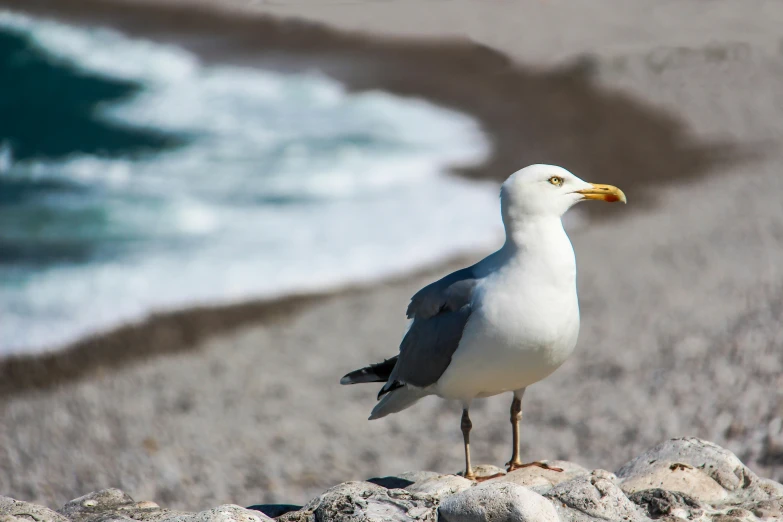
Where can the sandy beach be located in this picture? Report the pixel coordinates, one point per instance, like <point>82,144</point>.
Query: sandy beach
<point>680,291</point>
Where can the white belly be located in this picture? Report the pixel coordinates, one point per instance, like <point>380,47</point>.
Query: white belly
<point>524,321</point>
<point>497,355</point>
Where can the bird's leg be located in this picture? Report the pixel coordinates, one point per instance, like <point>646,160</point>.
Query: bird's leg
<point>516,420</point>
<point>466,425</point>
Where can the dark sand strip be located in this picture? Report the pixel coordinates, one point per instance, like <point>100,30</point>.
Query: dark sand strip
<point>160,333</point>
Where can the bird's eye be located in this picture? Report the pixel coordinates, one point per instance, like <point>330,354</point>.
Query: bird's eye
<point>556,181</point>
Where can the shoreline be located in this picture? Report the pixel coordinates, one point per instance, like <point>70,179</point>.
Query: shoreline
<point>454,73</point>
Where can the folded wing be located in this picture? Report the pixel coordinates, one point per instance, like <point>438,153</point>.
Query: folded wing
<point>440,312</point>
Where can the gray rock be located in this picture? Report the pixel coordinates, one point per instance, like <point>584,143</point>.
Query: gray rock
<point>416,476</point>
<point>303,515</point>
<point>498,502</point>
<point>566,465</point>
<point>675,476</point>
<point>11,509</point>
<point>657,503</point>
<point>594,495</point>
<point>366,502</point>
<point>224,513</point>
<point>718,463</point>
<point>542,480</point>
<point>440,485</point>
<point>114,505</point>
<point>484,471</point>
<point>94,504</point>
<point>736,515</point>
<point>772,509</point>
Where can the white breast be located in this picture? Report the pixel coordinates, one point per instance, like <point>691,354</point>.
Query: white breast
<point>524,324</point>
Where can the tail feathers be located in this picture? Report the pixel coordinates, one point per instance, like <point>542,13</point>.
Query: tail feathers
<point>397,400</point>
<point>373,373</point>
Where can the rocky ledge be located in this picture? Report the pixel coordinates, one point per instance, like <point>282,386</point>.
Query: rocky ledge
<point>681,479</point>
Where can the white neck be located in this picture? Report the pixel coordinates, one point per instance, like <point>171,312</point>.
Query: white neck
<point>542,245</point>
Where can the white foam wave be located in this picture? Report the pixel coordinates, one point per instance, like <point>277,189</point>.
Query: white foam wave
<point>290,184</point>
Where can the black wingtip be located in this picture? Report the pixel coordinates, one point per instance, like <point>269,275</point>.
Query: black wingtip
<point>379,372</point>
<point>359,376</point>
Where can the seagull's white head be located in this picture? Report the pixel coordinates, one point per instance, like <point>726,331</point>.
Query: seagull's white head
<point>548,191</point>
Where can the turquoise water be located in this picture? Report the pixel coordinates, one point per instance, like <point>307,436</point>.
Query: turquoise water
<point>133,179</point>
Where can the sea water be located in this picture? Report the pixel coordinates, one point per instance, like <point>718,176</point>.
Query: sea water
<point>136,179</point>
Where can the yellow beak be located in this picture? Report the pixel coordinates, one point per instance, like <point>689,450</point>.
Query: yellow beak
<point>603,192</point>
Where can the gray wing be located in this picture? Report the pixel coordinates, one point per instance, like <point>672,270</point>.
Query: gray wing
<point>426,349</point>
<point>447,294</point>
<point>440,312</point>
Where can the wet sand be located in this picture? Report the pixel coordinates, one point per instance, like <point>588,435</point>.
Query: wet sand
<point>680,290</point>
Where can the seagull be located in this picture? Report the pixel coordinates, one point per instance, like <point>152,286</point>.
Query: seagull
<point>504,323</point>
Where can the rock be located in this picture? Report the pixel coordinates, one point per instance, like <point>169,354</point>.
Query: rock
<point>486,470</point>
<point>12,510</point>
<point>772,509</point>
<point>416,476</point>
<point>742,514</point>
<point>440,485</point>
<point>567,467</point>
<point>498,502</point>
<point>224,513</point>
<point>733,515</point>
<point>594,495</point>
<point>365,502</point>
<point>720,517</point>
<point>658,503</point>
<point>96,503</point>
<point>675,476</point>
<point>302,515</point>
<point>542,480</point>
<point>718,463</point>
<point>114,505</point>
